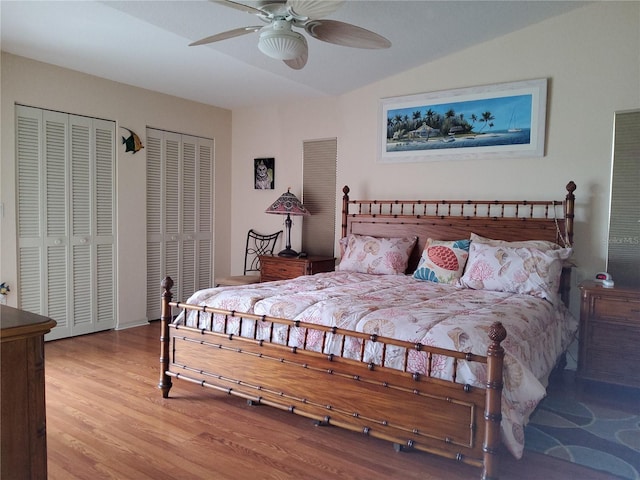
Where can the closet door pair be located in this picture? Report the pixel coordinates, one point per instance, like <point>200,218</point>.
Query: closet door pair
<point>65,170</point>
<point>179,214</point>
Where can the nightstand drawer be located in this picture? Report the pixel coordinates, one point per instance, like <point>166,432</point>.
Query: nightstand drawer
<point>611,336</point>
<point>604,307</point>
<point>284,268</point>
<point>271,270</point>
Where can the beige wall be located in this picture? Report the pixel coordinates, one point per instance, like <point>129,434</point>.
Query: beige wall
<point>591,57</point>
<point>41,85</point>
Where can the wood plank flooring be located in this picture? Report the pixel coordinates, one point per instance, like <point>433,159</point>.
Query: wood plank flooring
<point>106,419</point>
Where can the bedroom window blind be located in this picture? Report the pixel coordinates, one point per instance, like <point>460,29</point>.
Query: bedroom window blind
<point>179,214</point>
<point>623,259</point>
<point>66,219</point>
<point>319,195</point>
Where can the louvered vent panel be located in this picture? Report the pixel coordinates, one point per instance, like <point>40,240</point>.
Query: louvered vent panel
<point>204,264</point>
<point>57,283</point>
<point>80,180</point>
<point>29,280</point>
<point>154,185</point>
<point>81,284</point>
<point>188,187</point>
<point>28,144</point>
<point>319,188</point>
<point>154,278</point>
<point>104,182</point>
<point>56,188</point>
<point>105,305</point>
<point>205,191</point>
<point>188,268</point>
<point>172,183</point>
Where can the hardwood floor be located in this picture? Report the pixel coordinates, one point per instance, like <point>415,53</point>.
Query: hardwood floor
<point>106,418</point>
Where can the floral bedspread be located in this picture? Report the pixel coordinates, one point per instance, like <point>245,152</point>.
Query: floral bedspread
<point>402,307</point>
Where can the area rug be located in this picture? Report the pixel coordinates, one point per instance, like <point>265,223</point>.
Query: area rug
<point>586,434</point>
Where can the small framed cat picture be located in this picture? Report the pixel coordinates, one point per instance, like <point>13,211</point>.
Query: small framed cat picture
<point>264,171</point>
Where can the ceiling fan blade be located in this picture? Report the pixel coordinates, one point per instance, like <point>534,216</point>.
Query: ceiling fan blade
<point>224,35</point>
<point>314,8</point>
<point>301,61</point>
<point>239,6</point>
<point>345,34</point>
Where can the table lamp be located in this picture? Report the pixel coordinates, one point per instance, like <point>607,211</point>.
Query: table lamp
<point>287,204</point>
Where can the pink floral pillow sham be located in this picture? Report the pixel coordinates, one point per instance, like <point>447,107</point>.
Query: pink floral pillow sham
<point>442,261</point>
<point>539,244</point>
<point>376,255</point>
<point>523,270</point>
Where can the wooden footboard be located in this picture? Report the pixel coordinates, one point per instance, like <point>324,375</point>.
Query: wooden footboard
<point>413,410</point>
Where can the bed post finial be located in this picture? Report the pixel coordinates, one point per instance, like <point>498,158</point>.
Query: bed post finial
<point>345,210</point>
<point>493,403</point>
<point>165,319</point>
<point>569,207</point>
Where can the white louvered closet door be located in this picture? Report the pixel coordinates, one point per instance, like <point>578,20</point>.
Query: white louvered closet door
<point>179,210</point>
<point>66,219</point>
<point>92,223</point>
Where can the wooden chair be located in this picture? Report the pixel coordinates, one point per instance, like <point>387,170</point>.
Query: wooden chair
<point>257,244</point>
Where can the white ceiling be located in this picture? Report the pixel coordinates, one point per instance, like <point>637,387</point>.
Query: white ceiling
<point>145,43</point>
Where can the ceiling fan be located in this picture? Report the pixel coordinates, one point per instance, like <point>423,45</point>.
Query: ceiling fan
<point>278,39</point>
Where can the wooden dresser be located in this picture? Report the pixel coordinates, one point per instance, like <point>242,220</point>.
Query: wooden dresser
<point>23,444</point>
<point>273,267</point>
<point>609,334</point>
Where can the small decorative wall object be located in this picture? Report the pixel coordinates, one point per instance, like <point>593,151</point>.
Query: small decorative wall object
<point>264,171</point>
<point>4,290</point>
<point>494,121</point>
<point>132,143</point>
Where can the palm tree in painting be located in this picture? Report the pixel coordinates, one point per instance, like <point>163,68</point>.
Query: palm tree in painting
<point>474,119</point>
<point>417,117</point>
<point>429,116</point>
<point>486,118</point>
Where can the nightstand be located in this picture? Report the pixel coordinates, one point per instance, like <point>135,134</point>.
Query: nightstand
<point>609,334</point>
<point>282,268</point>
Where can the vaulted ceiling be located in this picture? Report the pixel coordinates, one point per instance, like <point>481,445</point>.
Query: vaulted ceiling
<point>145,43</point>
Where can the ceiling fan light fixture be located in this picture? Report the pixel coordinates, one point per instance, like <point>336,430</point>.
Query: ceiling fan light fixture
<point>281,44</point>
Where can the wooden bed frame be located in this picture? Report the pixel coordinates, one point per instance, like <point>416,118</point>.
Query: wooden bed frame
<point>445,418</point>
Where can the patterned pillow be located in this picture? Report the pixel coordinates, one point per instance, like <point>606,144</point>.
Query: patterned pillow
<point>442,261</point>
<point>377,255</point>
<point>517,270</point>
<point>539,244</point>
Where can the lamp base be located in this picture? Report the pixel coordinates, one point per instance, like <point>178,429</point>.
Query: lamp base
<point>288,252</point>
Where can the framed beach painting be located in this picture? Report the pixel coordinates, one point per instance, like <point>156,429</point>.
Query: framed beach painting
<point>493,121</point>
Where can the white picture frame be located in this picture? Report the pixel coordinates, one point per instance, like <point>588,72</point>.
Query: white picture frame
<point>494,121</point>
